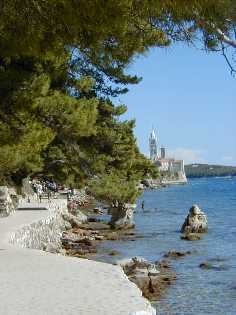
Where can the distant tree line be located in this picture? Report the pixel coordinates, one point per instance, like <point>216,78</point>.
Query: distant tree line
<point>206,170</point>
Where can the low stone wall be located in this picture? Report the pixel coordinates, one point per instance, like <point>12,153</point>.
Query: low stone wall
<point>38,234</point>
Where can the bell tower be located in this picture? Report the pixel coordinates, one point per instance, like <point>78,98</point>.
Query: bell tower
<point>153,145</point>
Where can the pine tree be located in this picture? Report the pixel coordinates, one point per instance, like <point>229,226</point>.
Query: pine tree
<point>62,62</point>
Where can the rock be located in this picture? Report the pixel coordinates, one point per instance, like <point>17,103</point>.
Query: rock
<point>122,217</point>
<point>152,270</point>
<point>112,236</point>
<point>152,279</point>
<point>196,221</point>
<point>195,210</point>
<point>140,272</point>
<point>78,242</point>
<point>72,207</point>
<point>176,254</point>
<point>99,226</point>
<point>80,247</point>
<point>205,265</point>
<point>81,252</point>
<point>131,264</point>
<point>62,252</point>
<point>114,253</point>
<point>75,221</point>
<point>142,282</point>
<point>99,237</point>
<point>68,226</point>
<point>191,237</point>
<point>53,248</point>
<point>98,210</point>
<point>154,286</point>
<point>124,262</point>
<point>81,217</point>
<point>129,233</point>
<point>92,219</point>
<point>208,265</point>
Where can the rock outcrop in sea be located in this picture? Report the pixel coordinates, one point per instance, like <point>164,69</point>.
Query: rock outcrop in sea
<point>122,217</point>
<point>195,222</point>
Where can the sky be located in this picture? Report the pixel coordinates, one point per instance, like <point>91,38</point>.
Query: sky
<point>189,98</point>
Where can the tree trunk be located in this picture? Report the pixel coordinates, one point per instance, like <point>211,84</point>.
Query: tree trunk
<point>122,217</point>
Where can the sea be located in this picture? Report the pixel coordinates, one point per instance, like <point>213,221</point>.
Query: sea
<point>196,291</point>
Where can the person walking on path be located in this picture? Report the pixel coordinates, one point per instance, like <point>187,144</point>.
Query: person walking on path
<point>39,191</point>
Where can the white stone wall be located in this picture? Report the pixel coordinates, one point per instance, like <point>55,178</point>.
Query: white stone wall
<point>48,230</point>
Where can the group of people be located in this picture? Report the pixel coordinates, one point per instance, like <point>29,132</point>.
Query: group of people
<point>40,187</point>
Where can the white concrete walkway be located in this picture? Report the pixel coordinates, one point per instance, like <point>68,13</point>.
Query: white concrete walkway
<point>37,283</point>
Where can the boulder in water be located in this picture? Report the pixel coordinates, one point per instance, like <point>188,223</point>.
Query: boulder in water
<point>122,217</point>
<point>210,266</point>
<point>196,221</point>
<point>176,254</point>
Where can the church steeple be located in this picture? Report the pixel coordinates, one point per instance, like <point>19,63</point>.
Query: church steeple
<point>153,145</point>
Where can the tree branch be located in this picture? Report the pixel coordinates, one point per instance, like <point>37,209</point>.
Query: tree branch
<point>225,38</point>
<point>232,69</point>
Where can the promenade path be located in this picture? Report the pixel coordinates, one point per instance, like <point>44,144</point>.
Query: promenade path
<point>34,282</point>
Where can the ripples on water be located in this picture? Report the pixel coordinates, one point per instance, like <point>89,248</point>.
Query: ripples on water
<point>196,291</point>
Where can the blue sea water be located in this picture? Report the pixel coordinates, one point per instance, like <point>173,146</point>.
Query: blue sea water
<point>196,291</point>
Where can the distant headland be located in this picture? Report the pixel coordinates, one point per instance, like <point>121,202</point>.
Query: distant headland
<point>208,170</point>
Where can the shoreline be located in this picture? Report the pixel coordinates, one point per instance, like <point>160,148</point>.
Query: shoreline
<point>87,240</point>
<point>64,285</point>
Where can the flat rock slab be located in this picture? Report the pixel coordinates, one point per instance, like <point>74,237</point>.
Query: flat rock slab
<point>40,283</point>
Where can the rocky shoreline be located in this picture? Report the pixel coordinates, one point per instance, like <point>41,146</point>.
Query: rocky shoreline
<point>81,229</point>
<point>152,278</point>
<point>85,231</point>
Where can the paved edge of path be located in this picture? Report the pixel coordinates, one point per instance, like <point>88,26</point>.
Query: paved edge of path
<point>34,282</point>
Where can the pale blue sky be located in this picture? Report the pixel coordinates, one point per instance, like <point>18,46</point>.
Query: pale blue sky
<point>189,97</point>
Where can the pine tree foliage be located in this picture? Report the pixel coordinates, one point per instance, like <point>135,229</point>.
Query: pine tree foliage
<point>62,62</point>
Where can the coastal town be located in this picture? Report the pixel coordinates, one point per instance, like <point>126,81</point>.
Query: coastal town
<point>172,171</point>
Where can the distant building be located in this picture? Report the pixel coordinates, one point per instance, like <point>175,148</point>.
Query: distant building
<point>170,165</point>
<point>175,168</point>
<point>153,145</point>
<point>163,153</point>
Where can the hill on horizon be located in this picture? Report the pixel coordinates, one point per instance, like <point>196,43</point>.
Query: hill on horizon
<point>209,170</point>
